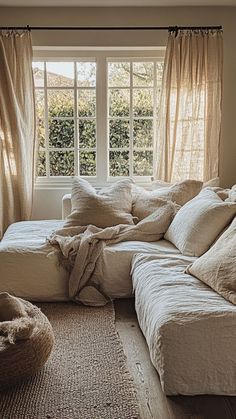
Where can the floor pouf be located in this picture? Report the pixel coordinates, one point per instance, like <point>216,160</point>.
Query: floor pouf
<point>26,340</point>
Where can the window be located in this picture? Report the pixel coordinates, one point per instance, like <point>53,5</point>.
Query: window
<point>96,117</point>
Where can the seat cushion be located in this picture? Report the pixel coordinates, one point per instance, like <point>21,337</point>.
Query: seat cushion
<point>29,267</point>
<point>190,329</point>
<point>114,266</point>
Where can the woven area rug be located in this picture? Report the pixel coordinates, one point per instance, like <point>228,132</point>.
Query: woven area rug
<point>86,376</point>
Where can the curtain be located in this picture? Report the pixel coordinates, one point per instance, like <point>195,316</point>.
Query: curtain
<point>189,124</point>
<point>17,128</point>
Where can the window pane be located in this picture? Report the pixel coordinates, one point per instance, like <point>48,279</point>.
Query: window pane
<point>119,163</point>
<point>86,103</point>
<point>61,133</point>
<point>39,99</point>
<point>61,163</point>
<point>38,72</point>
<point>60,74</point>
<point>39,103</point>
<point>119,102</point>
<point>118,133</point>
<point>143,74</point>
<point>61,103</point>
<point>41,163</point>
<point>41,133</point>
<point>143,163</point>
<point>143,102</point>
<point>143,132</point>
<point>86,74</point>
<point>87,160</point>
<point>160,68</point>
<point>87,133</point>
<point>119,74</point>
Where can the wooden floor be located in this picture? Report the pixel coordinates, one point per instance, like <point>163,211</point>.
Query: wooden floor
<point>153,403</point>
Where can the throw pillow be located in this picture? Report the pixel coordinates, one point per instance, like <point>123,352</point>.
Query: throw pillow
<point>104,208</point>
<point>199,222</point>
<point>215,182</point>
<point>180,192</point>
<point>232,194</point>
<point>217,267</point>
<point>146,202</point>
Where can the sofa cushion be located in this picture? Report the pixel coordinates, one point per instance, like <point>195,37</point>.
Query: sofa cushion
<point>189,328</point>
<point>198,223</point>
<point>217,267</point>
<point>146,202</point>
<point>104,208</point>
<point>232,194</point>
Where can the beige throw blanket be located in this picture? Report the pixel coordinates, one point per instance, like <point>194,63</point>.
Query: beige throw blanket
<point>80,247</point>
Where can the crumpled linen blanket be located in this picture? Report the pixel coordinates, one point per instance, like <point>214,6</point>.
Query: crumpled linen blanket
<point>80,247</point>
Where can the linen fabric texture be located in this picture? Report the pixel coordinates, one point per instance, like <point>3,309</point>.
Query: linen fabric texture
<point>146,202</point>
<point>199,222</point>
<point>189,120</point>
<point>17,128</point>
<point>189,328</point>
<point>104,208</point>
<point>217,267</point>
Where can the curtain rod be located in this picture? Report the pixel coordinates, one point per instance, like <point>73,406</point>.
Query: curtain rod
<point>108,28</point>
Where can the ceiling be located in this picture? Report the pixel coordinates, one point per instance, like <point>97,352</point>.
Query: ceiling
<point>114,3</point>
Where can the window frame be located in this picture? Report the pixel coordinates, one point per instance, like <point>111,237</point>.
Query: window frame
<point>101,55</point>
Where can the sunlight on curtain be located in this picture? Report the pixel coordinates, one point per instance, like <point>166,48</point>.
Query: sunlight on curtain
<point>17,128</point>
<point>190,108</point>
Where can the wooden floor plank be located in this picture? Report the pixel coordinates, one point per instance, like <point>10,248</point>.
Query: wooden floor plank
<point>153,403</point>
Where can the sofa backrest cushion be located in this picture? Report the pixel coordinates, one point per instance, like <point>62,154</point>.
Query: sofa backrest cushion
<point>146,202</point>
<point>199,222</point>
<point>104,208</point>
<point>217,267</point>
<point>232,194</point>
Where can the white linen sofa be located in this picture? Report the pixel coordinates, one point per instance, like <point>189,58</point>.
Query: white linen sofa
<point>29,266</point>
<point>190,330</point>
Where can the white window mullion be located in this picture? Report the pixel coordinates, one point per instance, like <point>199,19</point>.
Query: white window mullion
<point>101,117</point>
<point>154,107</point>
<point>76,121</point>
<point>46,122</point>
<point>131,168</point>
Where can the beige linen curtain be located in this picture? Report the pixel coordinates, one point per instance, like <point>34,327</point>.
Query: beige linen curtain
<point>189,124</point>
<point>17,128</point>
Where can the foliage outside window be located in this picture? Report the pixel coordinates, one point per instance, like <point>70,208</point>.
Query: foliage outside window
<point>68,122</point>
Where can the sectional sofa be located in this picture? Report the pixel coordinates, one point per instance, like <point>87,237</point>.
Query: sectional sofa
<point>189,326</point>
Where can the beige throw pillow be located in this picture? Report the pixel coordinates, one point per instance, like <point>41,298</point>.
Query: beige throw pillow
<point>215,182</point>
<point>232,194</point>
<point>104,208</point>
<point>199,222</point>
<point>146,202</point>
<point>217,267</point>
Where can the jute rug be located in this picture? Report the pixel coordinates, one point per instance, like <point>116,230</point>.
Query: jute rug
<point>86,376</point>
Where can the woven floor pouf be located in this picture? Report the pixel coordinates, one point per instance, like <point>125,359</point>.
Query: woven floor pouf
<point>26,340</point>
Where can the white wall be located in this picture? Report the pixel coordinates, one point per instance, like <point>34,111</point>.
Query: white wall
<point>47,203</point>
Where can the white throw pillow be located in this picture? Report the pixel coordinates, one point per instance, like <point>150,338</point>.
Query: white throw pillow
<point>217,267</point>
<point>199,222</point>
<point>146,202</point>
<point>104,208</point>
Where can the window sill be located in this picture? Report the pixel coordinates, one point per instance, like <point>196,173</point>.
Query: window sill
<point>66,183</point>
